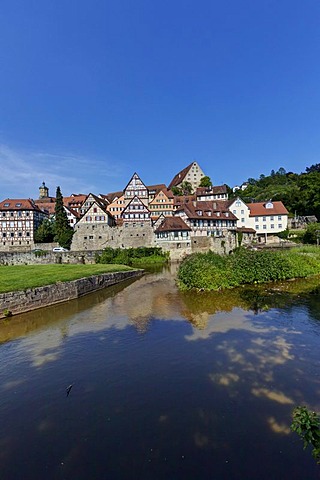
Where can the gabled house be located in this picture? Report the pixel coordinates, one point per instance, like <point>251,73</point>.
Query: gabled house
<point>136,188</point>
<point>19,219</point>
<point>268,218</point>
<point>136,213</point>
<point>173,229</point>
<point>162,204</point>
<point>117,206</point>
<point>94,229</point>
<point>90,200</point>
<point>265,218</point>
<point>192,174</point>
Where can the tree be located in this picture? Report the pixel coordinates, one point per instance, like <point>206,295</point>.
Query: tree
<point>313,168</point>
<point>45,232</point>
<point>176,191</point>
<point>63,231</point>
<point>186,188</point>
<point>205,181</point>
<point>281,171</point>
<point>312,234</point>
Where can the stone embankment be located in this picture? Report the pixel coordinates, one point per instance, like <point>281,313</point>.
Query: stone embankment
<point>33,298</point>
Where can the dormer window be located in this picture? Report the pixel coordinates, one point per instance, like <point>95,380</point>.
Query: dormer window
<point>227,214</point>
<point>7,205</point>
<point>269,204</point>
<point>218,214</point>
<point>18,204</point>
<point>199,212</point>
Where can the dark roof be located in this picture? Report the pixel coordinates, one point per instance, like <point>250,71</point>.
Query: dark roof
<point>246,230</point>
<point>179,177</point>
<point>209,209</point>
<point>218,189</point>
<point>171,224</point>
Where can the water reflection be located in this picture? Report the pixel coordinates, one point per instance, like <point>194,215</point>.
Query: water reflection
<point>166,384</point>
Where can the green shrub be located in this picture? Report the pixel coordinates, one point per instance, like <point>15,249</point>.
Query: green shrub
<point>132,256</point>
<point>210,271</point>
<point>307,425</point>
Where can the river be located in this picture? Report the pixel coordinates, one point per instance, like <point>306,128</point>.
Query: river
<point>165,385</point>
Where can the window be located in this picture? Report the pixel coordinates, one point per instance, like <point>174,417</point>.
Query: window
<point>18,204</point>
<point>271,219</point>
<point>28,234</point>
<point>4,234</point>
<point>242,220</point>
<point>279,217</point>
<point>264,219</point>
<point>264,227</point>
<point>12,234</point>
<point>272,225</point>
<point>242,212</point>
<point>257,227</point>
<point>20,234</point>
<point>257,219</point>
<point>280,225</point>
<point>6,204</point>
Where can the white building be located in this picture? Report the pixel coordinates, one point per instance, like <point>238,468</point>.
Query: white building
<point>266,218</point>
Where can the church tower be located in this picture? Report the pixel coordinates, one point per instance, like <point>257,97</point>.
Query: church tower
<point>43,191</point>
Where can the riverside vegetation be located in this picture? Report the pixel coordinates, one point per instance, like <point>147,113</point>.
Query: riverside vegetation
<point>210,271</point>
<point>138,257</point>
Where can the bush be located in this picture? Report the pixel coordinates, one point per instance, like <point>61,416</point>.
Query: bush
<point>211,272</point>
<point>132,256</point>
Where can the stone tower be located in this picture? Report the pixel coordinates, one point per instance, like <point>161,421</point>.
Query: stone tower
<point>43,191</point>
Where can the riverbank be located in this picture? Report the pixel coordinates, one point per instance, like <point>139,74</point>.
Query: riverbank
<point>210,271</point>
<point>20,301</point>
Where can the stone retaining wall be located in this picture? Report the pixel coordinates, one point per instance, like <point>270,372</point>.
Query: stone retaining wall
<point>32,298</point>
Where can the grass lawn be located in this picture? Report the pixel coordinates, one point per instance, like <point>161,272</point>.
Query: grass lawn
<point>20,277</point>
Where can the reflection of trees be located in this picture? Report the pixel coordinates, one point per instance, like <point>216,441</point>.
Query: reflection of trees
<point>199,305</point>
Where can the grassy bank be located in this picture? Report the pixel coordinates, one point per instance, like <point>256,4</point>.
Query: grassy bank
<point>21,277</point>
<point>209,271</point>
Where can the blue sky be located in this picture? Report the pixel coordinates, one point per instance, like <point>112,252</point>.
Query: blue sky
<point>92,91</point>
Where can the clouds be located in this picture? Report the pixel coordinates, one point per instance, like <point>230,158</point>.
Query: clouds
<point>23,171</point>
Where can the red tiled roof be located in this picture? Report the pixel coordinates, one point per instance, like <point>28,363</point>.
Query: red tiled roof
<point>19,204</point>
<point>259,209</point>
<point>171,224</point>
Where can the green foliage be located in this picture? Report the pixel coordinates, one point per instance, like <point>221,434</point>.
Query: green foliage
<point>209,271</point>
<point>62,230</point>
<point>7,313</point>
<point>300,193</point>
<point>45,232</point>
<point>307,425</point>
<point>184,189</point>
<point>312,234</point>
<point>205,181</point>
<point>284,234</point>
<point>132,256</point>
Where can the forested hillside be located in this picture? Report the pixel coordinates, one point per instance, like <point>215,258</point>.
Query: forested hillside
<point>300,193</point>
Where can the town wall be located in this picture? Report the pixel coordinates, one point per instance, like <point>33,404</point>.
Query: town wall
<point>33,298</point>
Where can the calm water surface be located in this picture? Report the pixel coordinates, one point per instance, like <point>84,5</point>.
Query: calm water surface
<point>166,385</point>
